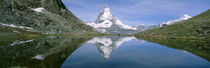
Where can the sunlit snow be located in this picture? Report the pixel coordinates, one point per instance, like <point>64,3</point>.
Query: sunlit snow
<point>38,57</point>
<point>21,42</point>
<point>183,18</point>
<point>21,27</point>
<point>107,20</point>
<point>40,9</point>
<point>105,24</point>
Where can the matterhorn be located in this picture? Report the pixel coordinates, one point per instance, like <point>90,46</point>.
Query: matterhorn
<point>107,23</point>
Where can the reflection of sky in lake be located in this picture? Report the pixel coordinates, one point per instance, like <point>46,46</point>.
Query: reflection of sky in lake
<point>134,54</point>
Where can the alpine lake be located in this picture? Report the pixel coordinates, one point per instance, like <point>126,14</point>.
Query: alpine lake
<point>103,52</point>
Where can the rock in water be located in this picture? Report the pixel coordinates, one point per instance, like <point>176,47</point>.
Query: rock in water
<point>46,16</point>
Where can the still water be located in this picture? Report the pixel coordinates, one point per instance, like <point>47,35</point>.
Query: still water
<point>103,52</point>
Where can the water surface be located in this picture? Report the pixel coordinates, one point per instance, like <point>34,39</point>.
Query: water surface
<point>103,52</point>
<point>130,52</point>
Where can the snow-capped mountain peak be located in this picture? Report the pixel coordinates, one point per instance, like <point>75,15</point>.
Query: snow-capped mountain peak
<point>104,15</point>
<point>106,22</point>
<point>106,7</point>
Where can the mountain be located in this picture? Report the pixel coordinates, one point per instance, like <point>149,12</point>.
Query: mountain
<point>183,18</point>
<point>107,23</point>
<point>106,45</point>
<point>45,16</point>
<point>143,27</point>
<point>196,27</point>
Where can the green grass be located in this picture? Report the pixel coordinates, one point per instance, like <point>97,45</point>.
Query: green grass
<point>197,27</point>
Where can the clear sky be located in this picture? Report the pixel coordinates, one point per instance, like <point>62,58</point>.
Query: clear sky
<point>136,12</point>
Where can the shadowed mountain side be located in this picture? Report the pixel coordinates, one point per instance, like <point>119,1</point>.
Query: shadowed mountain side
<point>48,52</point>
<point>199,48</point>
<point>45,16</point>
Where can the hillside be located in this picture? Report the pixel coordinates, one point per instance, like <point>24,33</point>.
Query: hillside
<point>45,16</point>
<point>196,27</point>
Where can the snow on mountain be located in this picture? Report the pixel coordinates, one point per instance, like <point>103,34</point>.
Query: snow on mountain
<point>40,9</point>
<point>106,20</point>
<point>20,27</point>
<point>183,18</point>
<point>143,27</point>
<point>106,45</point>
<point>38,57</point>
<point>44,16</point>
<point>21,42</point>
<point>147,27</point>
<point>105,24</point>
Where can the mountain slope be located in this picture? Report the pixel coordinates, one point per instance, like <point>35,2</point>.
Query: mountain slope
<point>46,16</point>
<point>107,23</point>
<point>148,27</point>
<point>183,18</point>
<point>143,27</point>
<point>196,27</point>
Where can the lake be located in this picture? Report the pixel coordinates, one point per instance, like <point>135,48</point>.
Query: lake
<point>103,52</point>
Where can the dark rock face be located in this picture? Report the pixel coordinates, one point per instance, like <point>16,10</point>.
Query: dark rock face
<point>55,19</point>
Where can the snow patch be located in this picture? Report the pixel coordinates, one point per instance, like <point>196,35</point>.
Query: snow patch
<point>118,22</point>
<point>105,24</point>
<point>38,57</point>
<point>142,27</point>
<point>16,31</point>
<point>40,9</point>
<point>183,18</point>
<point>21,42</point>
<point>21,27</point>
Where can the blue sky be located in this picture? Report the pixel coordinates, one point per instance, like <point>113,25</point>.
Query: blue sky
<point>136,12</point>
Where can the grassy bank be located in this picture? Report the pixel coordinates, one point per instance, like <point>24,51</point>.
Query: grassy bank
<point>196,28</point>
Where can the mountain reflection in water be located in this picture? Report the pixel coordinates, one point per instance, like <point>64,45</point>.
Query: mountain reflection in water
<point>130,52</point>
<point>46,52</point>
<point>118,52</point>
<point>106,45</point>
